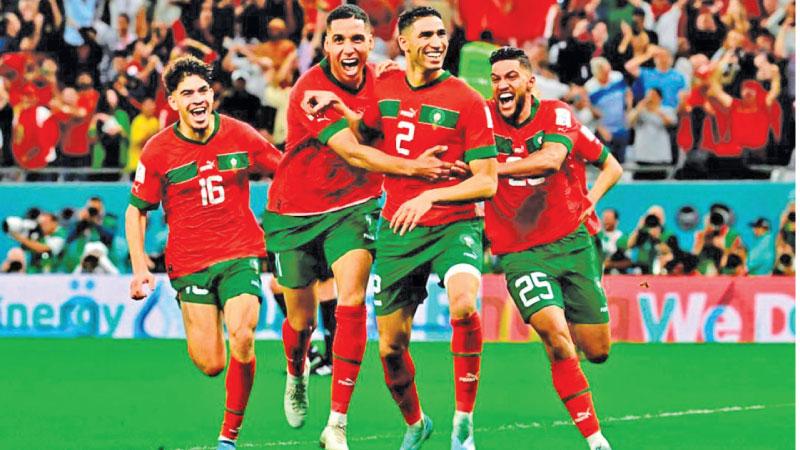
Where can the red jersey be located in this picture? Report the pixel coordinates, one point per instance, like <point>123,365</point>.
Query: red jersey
<point>75,132</point>
<point>587,149</point>
<point>527,212</point>
<point>205,191</point>
<point>312,178</point>
<point>444,112</point>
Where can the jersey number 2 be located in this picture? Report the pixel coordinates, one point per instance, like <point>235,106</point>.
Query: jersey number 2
<point>406,136</point>
<point>211,190</point>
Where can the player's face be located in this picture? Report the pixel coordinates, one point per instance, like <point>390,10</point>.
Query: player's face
<point>193,99</point>
<point>512,83</point>
<point>425,43</point>
<point>347,46</point>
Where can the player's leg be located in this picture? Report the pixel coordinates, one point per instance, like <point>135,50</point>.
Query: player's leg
<point>204,339</point>
<point>399,372</point>
<point>348,248</point>
<point>586,304</point>
<point>202,321</point>
<point>325,291</point>
<point>297,270</point>
<point>459,265</point>
<point>238,285</point>
<point>241,318</point>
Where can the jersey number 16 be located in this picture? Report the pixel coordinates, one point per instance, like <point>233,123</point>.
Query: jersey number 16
<point>211,190</point>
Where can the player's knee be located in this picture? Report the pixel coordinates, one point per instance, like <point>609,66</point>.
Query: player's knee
<point>242,339</point>
<point>211,367</point>
<point>352,298</point>
<point>597,355</point>
<point>302,321</point>
<point>394,347</point>
<point>462,305</point>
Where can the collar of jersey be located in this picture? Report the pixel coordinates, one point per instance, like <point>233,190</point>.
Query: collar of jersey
<point>534,107</point>
<point>444,75</point>
<point>192,141</point>
<point>325,65</point>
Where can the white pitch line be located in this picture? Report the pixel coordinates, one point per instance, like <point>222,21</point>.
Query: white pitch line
<point>529,425</point>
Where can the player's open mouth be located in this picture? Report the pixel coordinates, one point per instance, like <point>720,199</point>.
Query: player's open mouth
<point>350,65</point>
<point>505,98</point>
<point>198,113</point>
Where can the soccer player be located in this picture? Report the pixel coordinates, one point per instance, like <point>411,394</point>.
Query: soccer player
<point>431,226</point>
<point>322,212</point>
<point>535,226</point>
<point>198,170</point>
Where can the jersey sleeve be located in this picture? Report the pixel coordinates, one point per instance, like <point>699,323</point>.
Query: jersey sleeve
<point>590,148</point>
<point>264,156</point>
<point>147,183</point>
<point>322,125</point>
<point>478,131</point>
<point>562,126</point>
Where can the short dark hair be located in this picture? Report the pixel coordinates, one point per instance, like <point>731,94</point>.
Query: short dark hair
<point>347,11</point>
<point>409,16</point>
<point>183,67</point>
<point>504,53</point>
<point>613,211</point>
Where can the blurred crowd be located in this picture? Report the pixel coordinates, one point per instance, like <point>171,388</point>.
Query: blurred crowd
<point>717,246</point>
<point>702,86</point>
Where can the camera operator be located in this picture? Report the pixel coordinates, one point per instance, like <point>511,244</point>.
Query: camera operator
<point>716,242</point>
<point>92,225</point>
<point>649,240</point>
<point>784,242</point>
<point>41,237</point>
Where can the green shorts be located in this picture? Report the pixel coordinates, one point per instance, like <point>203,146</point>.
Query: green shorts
<point>305,247</point>
<point>220,282</point>
<point>564,273</point>
<point>404,263</point>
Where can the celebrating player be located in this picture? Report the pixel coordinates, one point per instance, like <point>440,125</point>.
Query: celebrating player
<point>535,226</point>
<point>198,169</point>
<point>431,226</point>
<point>322,214</point>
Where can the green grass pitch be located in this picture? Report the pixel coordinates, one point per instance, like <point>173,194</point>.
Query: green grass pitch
<point>107,394</point>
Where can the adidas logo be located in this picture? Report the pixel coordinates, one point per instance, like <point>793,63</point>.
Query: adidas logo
<point>583,415</point>
<point>347,382</point>
<point>469,378</point>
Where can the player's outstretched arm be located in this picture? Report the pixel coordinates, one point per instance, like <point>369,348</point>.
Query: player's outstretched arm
<point>545,162</point>
<point>427,165</point>
<point>480,186</point>
<point>135,226</point>
<point>610,172</point>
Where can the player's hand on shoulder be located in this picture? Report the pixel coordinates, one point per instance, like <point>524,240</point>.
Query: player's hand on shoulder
<point>409,214</point>
<point>385,67</point>
<point>138,281</point>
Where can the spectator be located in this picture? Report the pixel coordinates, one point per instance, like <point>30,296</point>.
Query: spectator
<point>78,14</point>
<point>668,80</point>
<point>574,53</point>
<point>588,115</point>
<point>239,103</point>
<point>717,241</point>
<point>667,22</point>
<point>705,29</point>
<point>75,110</point>
<point>614,244</point>
<point>6,119</point>
<point>94,260</point>
<point>144,126</point>
<point>785,241</point>
<point>43,244</point>
<point>649,240</point>
<point>762,252</point>
<point>609,93</point>
<point>92,225</point>
<point>276,47</point>
<point>650,120</point>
